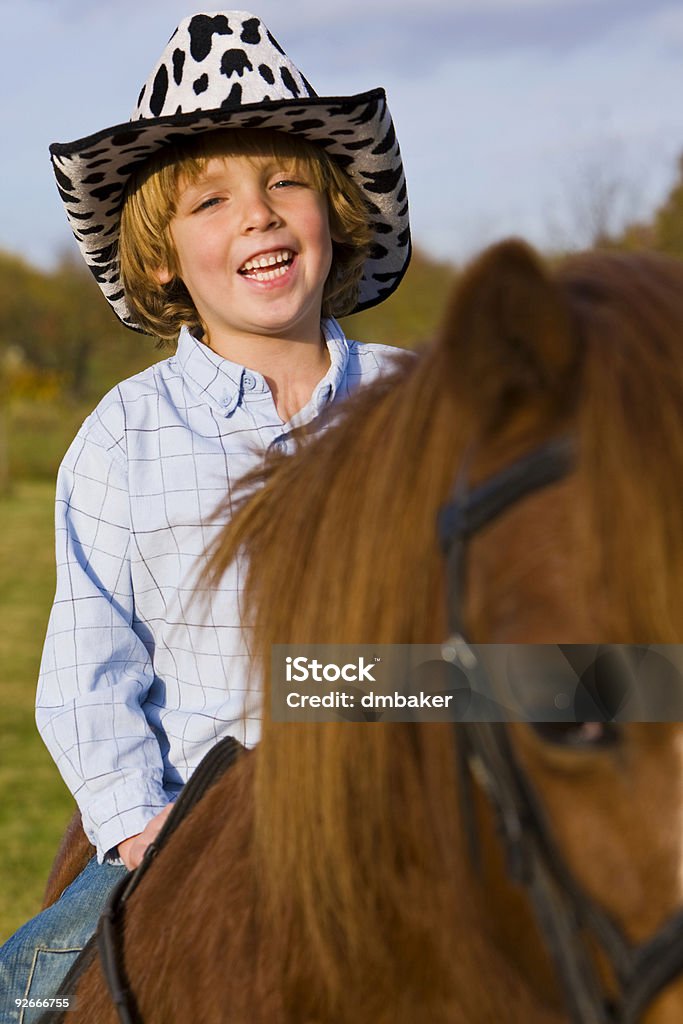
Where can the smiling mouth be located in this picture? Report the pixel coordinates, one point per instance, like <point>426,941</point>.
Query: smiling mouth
<point>268,267</point>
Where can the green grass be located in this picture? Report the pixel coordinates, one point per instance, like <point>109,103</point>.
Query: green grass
<point>39,434</point>
<point>34,802</point>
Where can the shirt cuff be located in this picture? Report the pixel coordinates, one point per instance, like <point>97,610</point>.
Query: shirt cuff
<point>123,813</point>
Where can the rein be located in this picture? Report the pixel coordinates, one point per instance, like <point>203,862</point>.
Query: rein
<point>110,927</point>
<point>566,914</point>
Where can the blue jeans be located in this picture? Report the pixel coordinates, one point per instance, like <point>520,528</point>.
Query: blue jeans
<point>36,959</point>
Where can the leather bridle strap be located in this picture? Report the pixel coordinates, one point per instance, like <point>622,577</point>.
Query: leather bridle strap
<point>469,511</point>
<point>534,864</point>
<point>566,914</point>
<point>110,928</point>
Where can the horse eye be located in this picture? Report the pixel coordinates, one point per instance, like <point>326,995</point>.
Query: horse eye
<point>578,735</point>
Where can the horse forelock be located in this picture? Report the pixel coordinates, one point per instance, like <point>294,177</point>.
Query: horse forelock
<point>628,308</point>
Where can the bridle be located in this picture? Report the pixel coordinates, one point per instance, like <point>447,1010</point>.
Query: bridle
<point>567,916</point>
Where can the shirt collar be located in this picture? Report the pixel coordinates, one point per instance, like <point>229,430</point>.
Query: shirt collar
<point>214,379</point>
<point>224,384</point>
<point>326,389</point>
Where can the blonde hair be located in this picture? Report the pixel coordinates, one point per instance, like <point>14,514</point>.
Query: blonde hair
<point>149,205</point>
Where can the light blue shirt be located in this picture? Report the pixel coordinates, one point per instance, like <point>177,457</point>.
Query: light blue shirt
<point>140,677</point>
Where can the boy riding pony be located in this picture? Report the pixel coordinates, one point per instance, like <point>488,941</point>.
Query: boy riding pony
<point>239,213</point>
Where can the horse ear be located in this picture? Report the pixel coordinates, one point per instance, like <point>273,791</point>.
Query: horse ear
<point>509,332</point>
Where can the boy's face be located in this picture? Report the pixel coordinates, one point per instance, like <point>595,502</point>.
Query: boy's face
<point>253,249</point>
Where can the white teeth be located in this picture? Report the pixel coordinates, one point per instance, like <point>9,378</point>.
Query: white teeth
<point>270,275</point>
<point>271,260</point>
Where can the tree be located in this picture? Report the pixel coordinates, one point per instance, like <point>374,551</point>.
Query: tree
<point>668,221</point>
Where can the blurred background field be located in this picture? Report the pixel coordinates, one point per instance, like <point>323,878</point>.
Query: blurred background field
<point>60,351</point>
<point>35,804</point>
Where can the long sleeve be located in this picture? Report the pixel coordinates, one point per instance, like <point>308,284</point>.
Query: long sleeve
<point>139,678</point>
<point>95,670</point>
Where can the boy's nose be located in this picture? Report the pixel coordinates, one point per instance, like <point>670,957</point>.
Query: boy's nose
<point>258,214</point>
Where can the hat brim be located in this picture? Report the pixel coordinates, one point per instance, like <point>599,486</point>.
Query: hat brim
<point>357,131</point>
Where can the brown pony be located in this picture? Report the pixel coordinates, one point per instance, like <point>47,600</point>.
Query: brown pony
<point>327,878</point>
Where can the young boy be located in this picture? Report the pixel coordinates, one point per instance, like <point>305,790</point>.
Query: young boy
<point>236,209</point>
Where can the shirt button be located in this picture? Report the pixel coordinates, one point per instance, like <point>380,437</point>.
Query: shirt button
<point>249,382</point>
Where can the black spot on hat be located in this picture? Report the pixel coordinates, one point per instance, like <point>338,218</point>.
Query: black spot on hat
<point>383,181</point>
<point>387,142</point>
<point>403,237</point>
<point>125,170</point>
<point>81,216</point>
<point>358,144</point>
<point>364,115</point>
<point>309,88</point>
<point>125,138</point>
<point>288,81</point>
<point>62,178</point>
<point>202,28</point>
<point>235,62</point>
<point>201,84</point>
<point>94,179</point>
<point>343,159</point>
<point>66,198</point>
<point>306,123</point>
<point>178,65</point>
<point>158,97</point>
<point>234,99</point>
<point>250,32</point>
<point>252,122</point>
<point>266,74</point>
<point>107,191</point>
<point>142,93</point>
<point>103,255</point>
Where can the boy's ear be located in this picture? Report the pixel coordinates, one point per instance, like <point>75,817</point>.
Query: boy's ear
<point>163,275</point>
<point>509,332</point>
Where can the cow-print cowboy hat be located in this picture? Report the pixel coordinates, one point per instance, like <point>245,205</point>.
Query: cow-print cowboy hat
<point>225,70</point>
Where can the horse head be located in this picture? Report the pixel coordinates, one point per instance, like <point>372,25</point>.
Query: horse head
<point>589,352</point>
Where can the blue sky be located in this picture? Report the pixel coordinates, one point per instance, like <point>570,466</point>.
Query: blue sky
<point>532,117</point>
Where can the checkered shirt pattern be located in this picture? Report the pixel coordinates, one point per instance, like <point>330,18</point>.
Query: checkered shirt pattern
<point>139,676</point>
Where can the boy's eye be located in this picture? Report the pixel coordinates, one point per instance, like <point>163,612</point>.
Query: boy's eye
<point>206,204</point>
<point>287,183</point>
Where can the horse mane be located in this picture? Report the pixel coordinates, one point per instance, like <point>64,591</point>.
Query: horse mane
<point>341,546</point>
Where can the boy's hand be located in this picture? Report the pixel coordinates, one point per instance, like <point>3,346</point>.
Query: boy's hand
<point>131,851</point>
